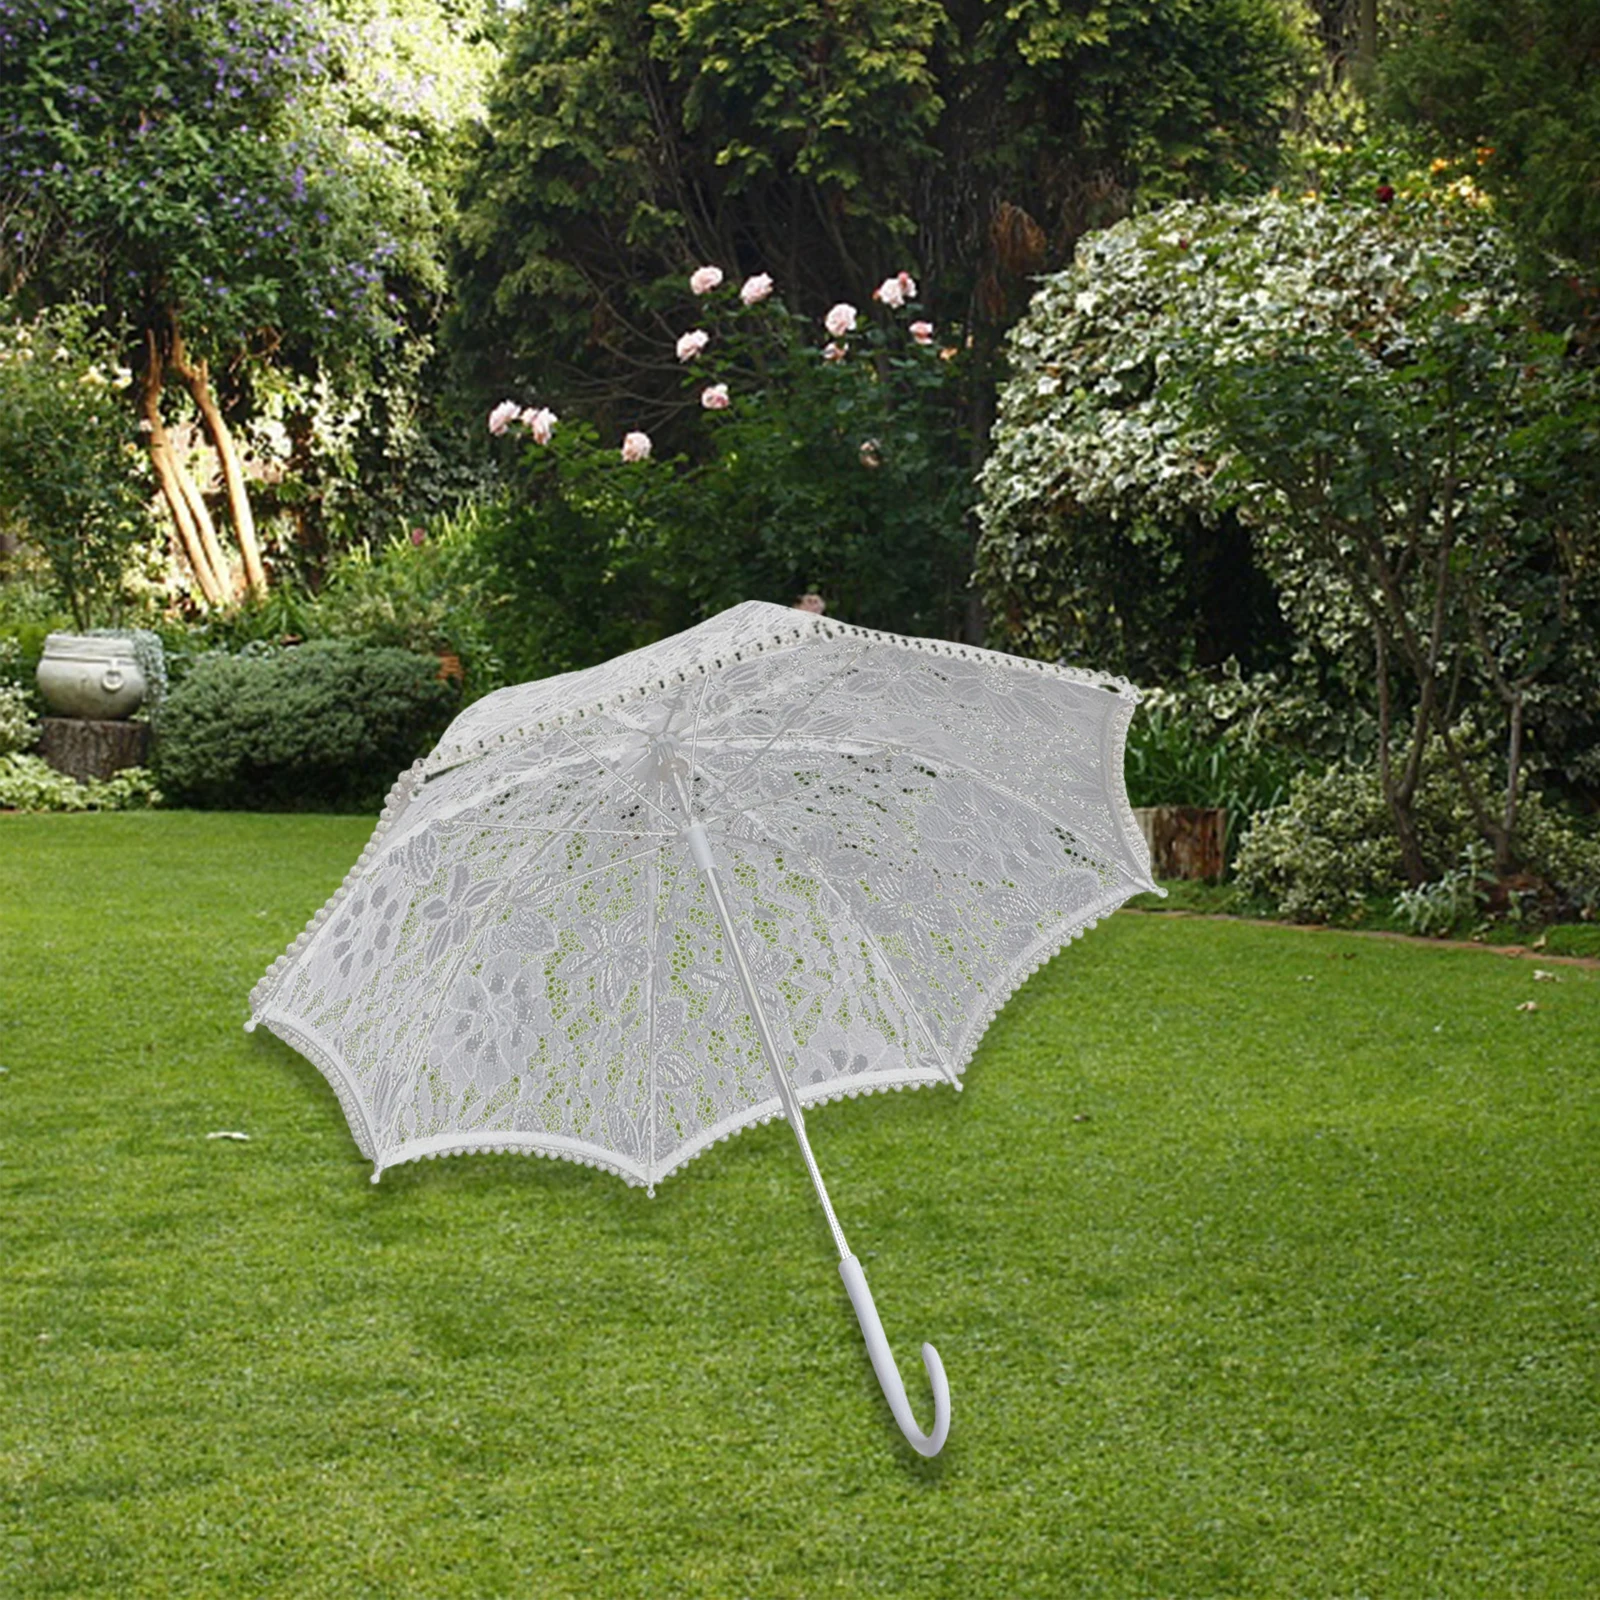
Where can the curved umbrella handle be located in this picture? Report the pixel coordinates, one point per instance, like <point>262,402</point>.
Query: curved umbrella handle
<point>894,1391</point>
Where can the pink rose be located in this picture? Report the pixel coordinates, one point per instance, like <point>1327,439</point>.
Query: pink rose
<point>890,293</point>
<point>813,603</point>
<point>756,289</point>
<point>419,536</point>
<point>922,332</point>
<point>834,352</point>
<point>704,279</point>
<point>840,320</point>
<point>870,456</point>
<point>541,423</point>
<point>503,416</point>
<point>636,446</point>
<point>715,398</point>
<point>908,285</point>
<point>691,344</point>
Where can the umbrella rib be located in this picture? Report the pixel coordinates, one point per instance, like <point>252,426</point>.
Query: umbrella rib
<point>867,934</point>
<point>617,777</point>
<point>539,897</point>
<point>807,704</point>
<point>652,1088</point>
<point>586,833</point>
<point>983,779</point>
<point>694,737</point>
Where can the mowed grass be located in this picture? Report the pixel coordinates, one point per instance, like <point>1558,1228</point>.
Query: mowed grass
<point>1262,1262</point>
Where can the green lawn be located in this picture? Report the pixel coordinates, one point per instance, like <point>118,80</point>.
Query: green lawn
<point>1262,1263</point>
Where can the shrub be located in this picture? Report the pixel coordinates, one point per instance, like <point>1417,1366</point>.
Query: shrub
<point>1224,739</point>
<point>423,590</point>
<point>72,474</point>
<point>321,726</point>
<point>28,783</point>
<point>1459,897</point>
<point>1331,847</point>
<point>18,730</point>
<point>1320,855</point>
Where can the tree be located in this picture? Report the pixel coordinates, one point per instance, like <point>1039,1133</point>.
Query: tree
<point>1518,80</point>
<point>1367,388</point>
<point>830,146</point>
<point>234,184</point>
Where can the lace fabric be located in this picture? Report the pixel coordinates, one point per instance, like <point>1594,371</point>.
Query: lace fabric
<point>526,957</point>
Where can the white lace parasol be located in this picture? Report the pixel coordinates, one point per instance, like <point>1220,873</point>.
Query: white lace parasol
<point>619,914</point>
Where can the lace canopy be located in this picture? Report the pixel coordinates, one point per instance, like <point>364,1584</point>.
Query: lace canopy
<point>527,957</point>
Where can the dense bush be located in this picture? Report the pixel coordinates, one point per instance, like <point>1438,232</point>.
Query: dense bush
<point>422,590</point>
<point>73,476</point>
<point>1332,846</point>
<point>29,783</point>
<point>821,455</point>
<point>322,726</point>
<point>1365,387</point>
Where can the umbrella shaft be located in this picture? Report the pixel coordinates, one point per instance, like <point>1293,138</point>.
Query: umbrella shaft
<point>700,849</point>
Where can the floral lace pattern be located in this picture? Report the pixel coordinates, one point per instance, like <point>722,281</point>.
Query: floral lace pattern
<point>526,956</point>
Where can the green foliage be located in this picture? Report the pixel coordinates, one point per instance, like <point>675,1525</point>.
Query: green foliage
<point>1226,741</point>
<point>248,162</point>
<point>844,477</point>
<point>582,557</point>
<point>422,590</point>
<point>1332,848</point>
<point>18,730</point>
<point>73,480</point>
<point>1509,86</point>
<point>272,182</point>
<point>1453,903</point>
<point>29,783</point>
<point>1366,388</point>
<point>629,141</point>
<point>327,726</point>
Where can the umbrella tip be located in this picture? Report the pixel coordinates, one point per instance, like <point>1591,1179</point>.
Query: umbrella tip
<point>377,1172</point>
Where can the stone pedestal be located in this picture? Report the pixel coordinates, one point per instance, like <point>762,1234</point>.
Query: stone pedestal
<point>1185,841</point>
<point>85,749</point>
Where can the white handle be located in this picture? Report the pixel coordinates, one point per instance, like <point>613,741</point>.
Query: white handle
<point>894,1391</point>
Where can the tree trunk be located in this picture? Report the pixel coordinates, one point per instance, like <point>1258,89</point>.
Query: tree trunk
<point>1366,46</point>
<point>175,489</point>
<point>196,377</point>
<point>86,748</point>
<point>1398,797</point>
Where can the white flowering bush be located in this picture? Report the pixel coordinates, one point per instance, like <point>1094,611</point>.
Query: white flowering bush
<point>18,730</point>
<point>1330,849</point>
<point>29,783</point>
<point>1365,388</point>
<point>1103,461</point>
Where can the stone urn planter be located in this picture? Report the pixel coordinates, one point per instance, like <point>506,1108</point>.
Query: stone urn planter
<point>93,685</point>
<point>81,675</point>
